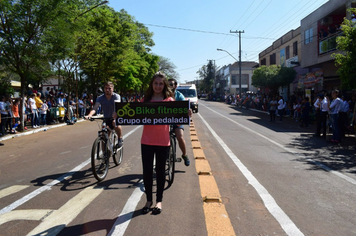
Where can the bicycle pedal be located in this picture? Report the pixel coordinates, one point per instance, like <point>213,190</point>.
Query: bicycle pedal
<point>178,159</point>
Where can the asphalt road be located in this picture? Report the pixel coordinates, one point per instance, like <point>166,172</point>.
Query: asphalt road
<point>271,178</point>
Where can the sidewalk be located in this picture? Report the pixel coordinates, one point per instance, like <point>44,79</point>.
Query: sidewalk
<point>31,130</point>
<point>349,140</point>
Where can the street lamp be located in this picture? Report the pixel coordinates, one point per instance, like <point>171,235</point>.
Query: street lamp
<point>219,49</point>
<point>102,3</point>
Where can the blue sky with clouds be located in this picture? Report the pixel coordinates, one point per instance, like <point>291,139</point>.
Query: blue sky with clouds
<point>189,32</point>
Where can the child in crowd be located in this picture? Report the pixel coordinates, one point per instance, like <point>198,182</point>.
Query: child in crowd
<point>68,120</point>
<point>297,109</point>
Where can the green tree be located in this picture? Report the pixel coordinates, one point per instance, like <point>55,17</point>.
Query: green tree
<point>113,46</point>
<point>207,75</point>
<point>346,60</point>
<point>273,77</point>
<point>22,27</point>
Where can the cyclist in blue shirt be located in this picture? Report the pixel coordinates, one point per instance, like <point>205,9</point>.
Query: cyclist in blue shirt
<point>178,129</point>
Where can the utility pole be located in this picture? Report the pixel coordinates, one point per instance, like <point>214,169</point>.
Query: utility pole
<point>239,32</point>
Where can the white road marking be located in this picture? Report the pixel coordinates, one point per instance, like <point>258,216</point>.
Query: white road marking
<point>286,223</point>
<point>64,152</point>
<point>330,170</point>
<point>123,220</point>
<point>42,189</point>
<point>60,218</point>
<point>56,221</point>
<point>24,215</point>
<point>48,186</point>
<point>12,189</point>
<point>84,147</point>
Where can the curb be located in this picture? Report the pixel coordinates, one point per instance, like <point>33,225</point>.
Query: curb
<point>9,136</point>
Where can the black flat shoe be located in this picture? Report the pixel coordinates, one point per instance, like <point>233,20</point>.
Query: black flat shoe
<point>156,211</point>
<point>145,210</point>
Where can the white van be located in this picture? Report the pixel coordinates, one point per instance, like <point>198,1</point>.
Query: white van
<point>190,92</point>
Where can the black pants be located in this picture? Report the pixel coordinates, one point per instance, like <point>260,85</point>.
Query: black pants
<point>343,122</point>
<point>148,152</point>
<point>318,122</point>
<point>324,121</point>
<point>280,113</point>
<point>272,114</point>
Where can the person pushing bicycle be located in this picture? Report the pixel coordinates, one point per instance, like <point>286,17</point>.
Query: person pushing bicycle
<point>107,103</point>
<point>178,129</point>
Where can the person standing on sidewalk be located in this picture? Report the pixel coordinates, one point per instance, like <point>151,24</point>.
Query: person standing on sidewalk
<point>334,115</point>
<point>324,113</point>
<point>272,109</point>
<point>38,109</point>
<point>178,129</point>
<point>33,109</point>
<point>3,115</point>
<point>343,116</point>
<point>317,107</point>
<point>305,112</point>
<point>280,108</point>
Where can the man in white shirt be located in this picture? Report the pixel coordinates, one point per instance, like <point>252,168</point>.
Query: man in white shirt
<point>317,107</point>
<point>324,107</point>
<point>334,114</point>
<point>280,108</point>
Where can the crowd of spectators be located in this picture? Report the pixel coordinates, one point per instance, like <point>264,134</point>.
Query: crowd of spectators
<point>40,108</point>
<point>319,109</point>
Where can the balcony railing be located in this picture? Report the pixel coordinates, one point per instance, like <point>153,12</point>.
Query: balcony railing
<point>328,44</point>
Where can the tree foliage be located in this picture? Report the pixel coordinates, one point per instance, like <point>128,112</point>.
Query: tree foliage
<point>346,60</point>
<point>39,38</point>
<point>273,76</point>
<point>167,67</point>
<point>22,44</point>
<point>207,75</point>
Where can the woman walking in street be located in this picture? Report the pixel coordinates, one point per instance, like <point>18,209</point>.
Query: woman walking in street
<point>155,141</point>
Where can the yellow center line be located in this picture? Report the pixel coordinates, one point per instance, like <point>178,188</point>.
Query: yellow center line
<point>216,218</point>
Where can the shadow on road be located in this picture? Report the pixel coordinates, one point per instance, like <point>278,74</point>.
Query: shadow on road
<point>340,157</point>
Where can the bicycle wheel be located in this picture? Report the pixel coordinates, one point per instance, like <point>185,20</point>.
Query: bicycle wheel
<point>118,153</point>
<point>170,164</point>
<point>99,159</point>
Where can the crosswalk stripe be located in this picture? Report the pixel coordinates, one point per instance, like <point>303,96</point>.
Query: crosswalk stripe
<point>56,221</point>
<point>123,220</point>
<point>12,189</point>
<point>30,214</point>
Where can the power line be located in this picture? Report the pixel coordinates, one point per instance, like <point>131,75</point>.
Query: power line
<point>205,32</point>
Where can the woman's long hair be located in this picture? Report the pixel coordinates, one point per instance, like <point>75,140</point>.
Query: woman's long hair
<point>167,92</point>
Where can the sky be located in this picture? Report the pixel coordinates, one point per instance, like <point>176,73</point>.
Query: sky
<point>188,32</point>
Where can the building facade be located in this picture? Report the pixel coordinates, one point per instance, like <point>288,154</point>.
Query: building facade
<point>285,51</point>
<point>309,48</point>
<point>319,31</point>
<point>228,78</point>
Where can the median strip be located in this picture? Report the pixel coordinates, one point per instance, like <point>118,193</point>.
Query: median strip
<point>216,218</point>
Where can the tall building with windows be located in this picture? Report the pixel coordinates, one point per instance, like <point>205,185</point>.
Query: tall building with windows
<point>285,51</point>
<point>319,31</point>
<point>228,78</point>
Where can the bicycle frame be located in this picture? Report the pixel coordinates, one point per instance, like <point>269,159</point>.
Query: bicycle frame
<point>103,148</point>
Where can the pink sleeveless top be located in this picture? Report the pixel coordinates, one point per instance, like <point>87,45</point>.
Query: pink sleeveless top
<point>156,135</point>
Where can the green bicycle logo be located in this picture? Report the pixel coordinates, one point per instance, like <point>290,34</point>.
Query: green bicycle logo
<point>126,110</point>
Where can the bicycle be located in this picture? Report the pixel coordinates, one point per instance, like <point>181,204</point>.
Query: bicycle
<point>103,148</point>
<point>172,159</point>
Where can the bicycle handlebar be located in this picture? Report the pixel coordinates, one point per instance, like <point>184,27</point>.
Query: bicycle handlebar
<point>100,118</point>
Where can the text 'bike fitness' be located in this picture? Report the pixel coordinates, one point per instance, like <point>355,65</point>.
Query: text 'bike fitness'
<point>152,113</point>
